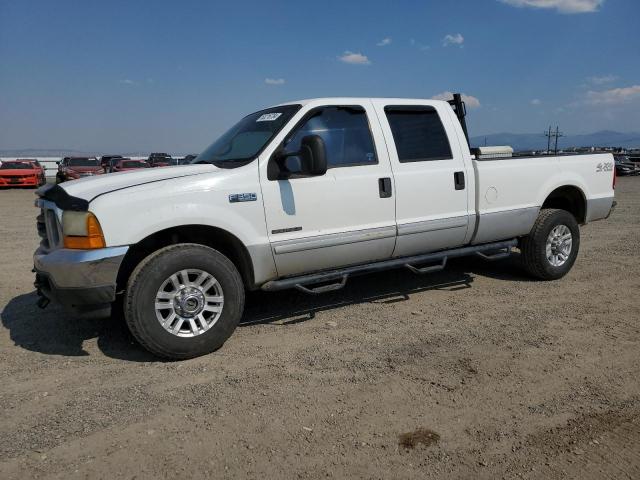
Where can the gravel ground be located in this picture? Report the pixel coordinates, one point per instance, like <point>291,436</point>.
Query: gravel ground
<point>474,372</point>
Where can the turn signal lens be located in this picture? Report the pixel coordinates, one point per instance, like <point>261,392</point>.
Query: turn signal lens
<point>91,237</point>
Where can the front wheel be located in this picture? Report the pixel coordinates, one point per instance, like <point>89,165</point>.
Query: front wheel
<point>550,250</point>
<point>184,301</point>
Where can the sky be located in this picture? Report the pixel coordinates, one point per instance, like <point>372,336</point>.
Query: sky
<point>134,76</point>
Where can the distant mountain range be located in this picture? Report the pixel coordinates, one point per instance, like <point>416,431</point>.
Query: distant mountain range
<point>519,142</point>
<point>537,141</point>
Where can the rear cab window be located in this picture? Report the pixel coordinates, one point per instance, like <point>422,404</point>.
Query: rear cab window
<point>418,133</point>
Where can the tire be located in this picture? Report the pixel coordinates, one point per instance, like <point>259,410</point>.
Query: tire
<point>161,274</point>
<point>556,262</point>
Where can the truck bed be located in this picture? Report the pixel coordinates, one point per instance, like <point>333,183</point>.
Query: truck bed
<point>510,191</point>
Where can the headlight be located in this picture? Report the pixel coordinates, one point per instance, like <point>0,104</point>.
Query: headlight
<point>82,230</point>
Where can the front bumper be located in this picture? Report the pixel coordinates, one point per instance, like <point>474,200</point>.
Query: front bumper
<point>79,280</point>
<point>20,182</point>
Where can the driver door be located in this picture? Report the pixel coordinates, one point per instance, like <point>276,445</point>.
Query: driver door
<point>347,215</point>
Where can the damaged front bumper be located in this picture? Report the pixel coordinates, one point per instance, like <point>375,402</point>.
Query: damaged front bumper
<point>83,281</point>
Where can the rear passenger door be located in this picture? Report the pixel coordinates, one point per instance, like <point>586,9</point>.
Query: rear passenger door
<point>429,173</point>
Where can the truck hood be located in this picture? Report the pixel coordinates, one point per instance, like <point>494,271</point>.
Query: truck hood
<point>89,188</point>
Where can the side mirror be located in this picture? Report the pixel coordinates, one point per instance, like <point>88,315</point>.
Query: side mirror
<point>313,155</point>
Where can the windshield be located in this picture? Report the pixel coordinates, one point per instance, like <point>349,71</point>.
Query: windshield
<point>133,164</point>
<point>83,162</point>
<point>16,165</point>
<point>244,141</point>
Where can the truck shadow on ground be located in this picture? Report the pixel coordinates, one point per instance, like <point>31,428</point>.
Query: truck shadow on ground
<point>54,332</point>
<point>292,306</point>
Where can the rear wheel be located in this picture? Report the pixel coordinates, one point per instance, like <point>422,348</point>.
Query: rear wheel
<point>183,301</point>
<point>550,250</point>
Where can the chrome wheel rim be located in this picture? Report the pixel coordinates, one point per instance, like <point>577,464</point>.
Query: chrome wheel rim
<point>189,302</point>
<point>559,244</point>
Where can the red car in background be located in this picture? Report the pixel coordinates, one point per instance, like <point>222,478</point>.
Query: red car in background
<point>72,168</point>
<point>21,173</point>
<point>126,164</point>
<point>159,160</point>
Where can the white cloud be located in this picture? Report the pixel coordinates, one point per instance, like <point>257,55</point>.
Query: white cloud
<point>562,6</point>
<point>127,81</point>
<point>456,39</point>
<point>602,79</point>
<point>614,96</point>
<point>384,42</point>
<point>354,58</point>
<point>274,81</point>
<point>469,100</point>
<point>536,101</point>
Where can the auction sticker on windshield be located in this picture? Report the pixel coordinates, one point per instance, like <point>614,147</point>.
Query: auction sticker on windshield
<point>268,117</point>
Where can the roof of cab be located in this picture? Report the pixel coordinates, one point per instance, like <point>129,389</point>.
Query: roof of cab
<point>358,99</point>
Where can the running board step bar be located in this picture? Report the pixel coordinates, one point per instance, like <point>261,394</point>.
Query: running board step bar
<point>430,269</point>
<point>305,283</point>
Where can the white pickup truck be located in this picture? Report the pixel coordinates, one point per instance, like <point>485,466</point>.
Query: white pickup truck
<point>305,195</point>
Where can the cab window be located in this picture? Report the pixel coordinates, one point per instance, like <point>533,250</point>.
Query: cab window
<point>346,134</point>
<point>418,133</point>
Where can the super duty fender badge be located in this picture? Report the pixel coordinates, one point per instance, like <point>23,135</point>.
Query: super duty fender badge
<point>242,197</point>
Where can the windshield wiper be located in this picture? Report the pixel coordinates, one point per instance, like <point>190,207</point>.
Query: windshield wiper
<point>231,163</point>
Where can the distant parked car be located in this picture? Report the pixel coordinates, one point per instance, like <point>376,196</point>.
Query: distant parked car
<point>159,160</point>
<point>72,168</point>
<point>625,167</point>
<point>21,173</point>
<point>38,165</point>
<point>126,164</point>
<point>106,162</point>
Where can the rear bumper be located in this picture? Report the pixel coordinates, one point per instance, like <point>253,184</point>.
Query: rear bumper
<point>79,280</point>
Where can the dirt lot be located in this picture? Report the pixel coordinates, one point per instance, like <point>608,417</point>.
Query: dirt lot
<point>510,377</point>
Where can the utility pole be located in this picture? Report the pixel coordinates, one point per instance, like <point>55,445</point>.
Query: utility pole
<point>555,135</point>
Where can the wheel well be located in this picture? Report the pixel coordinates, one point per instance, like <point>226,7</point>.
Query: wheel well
<point>568,198</point>
<point>213,237</point>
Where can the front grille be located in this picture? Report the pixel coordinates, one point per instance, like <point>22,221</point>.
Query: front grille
<point>42,230</point>
<point>49,229</point>
<point>16,177</point>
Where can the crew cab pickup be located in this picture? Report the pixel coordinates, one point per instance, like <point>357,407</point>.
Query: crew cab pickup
<point>305,195</point>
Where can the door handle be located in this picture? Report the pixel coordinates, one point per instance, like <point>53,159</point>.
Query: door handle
<point>458,180</point>
<point>384,186</point>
